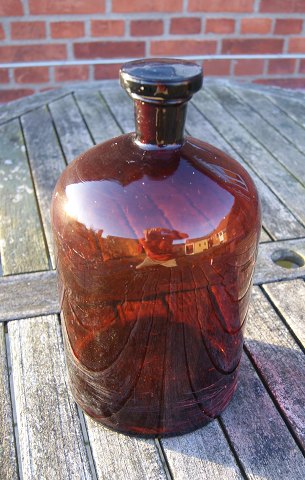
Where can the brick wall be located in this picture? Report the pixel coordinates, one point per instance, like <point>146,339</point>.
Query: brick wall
<point>56,30</point>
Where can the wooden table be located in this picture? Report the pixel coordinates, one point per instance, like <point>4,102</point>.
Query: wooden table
<point>44,435</point>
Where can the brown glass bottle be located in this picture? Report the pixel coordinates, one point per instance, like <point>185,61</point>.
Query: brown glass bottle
<point>156,237</point>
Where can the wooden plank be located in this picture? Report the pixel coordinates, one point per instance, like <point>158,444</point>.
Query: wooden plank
<point>268,271</point>
<point>121,106</point>
<point>289,299</point>
<point>28,295</point>
<point>46,161</point>
<point>204,453</point>
<point>292,107</point>
<point>22,243</point>
<point>284,151</point>
<point>258,434</point>
<point>97,115</point>
<point>50,438</point>
<point>281,226</point>
<point>291,94</point>
<point>284,125</point>
<point>119,456</point>
<point>71,128</point>
<point>18,107</point>
<point>280,181</point>
<point>279,359</point>
<point>264,236</point>
<point>8,462</point>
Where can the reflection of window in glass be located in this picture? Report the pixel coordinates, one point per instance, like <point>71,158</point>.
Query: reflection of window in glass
<point>221,236</point>
<point>158,246</point>
<point>189,249</point>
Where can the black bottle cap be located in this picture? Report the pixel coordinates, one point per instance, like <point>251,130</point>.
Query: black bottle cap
<point>166,80</point>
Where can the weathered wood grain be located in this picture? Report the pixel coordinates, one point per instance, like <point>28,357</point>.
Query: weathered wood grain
<point>122,108</point>
<point>283,150</point>
<point>281,226</point>
<point>280,181</point>
<point>51,443</point>
<point>289,299</point>
<point>284,125</point>
<point>8,462</point>
<point>18,107</point>
<point>292,107</point>
<point>21,237</point>
<point>204,453</point>
<point>268,271</point>
<point>28,295</point>
<point>46,162</point>
<point>279,359</point>
<point>97,115</point>
<point>270,90</point>
<point>258,434</point>
<point>119,456</point>
<point>71,128</point>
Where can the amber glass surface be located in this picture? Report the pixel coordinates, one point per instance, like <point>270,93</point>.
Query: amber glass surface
<point>156,250</point>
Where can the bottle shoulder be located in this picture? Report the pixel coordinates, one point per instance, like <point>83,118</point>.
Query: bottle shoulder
<point>124,190</point>
<point>121,160</point>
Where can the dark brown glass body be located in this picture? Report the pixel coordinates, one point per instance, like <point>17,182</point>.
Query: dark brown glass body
<point>156,251</point>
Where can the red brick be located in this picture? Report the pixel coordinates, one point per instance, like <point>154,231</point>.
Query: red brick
<point>248,67</point>
<point>31,75</point>
<point>12,94</point>
<point>216,67</point>
<point>296,45</point>
<point>221,5</point>
<point>143,28</point>
<point>252,45</point>
<point>67,29</point>
<point>27,30</point>
<point>19,53</point>
<point>302,66</point>
<point>4,76</point>
<point>283,82</point>
<point>102,72</point>
<point>2,33</point>
<point>219,25</point>
<point>183,47</point>
<point>109,49</point>
<point>107,28</point>
<point>281,66</point>
<point>11,8</point>
<point>285,26</point>
<point>129,6</point>
<point>67,73</point>
<point>185,25</point>
<point>54,7</point>
<point>256,25</point>
<point>282,6</point>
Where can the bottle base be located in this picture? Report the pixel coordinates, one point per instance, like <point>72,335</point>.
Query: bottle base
<point>180,428</point>
<point>143,432</point>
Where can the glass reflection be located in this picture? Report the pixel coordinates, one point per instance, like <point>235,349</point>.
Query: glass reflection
<point>156,267</point>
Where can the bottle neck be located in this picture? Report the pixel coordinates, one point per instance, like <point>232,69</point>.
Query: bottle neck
<point>159,125</point>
